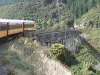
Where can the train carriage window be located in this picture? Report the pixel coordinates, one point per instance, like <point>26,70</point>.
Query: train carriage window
<point>3,27</point>
<point>17,26</point>
<point>29,25</point>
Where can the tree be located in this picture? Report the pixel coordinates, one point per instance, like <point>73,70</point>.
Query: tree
<point>47,2</point>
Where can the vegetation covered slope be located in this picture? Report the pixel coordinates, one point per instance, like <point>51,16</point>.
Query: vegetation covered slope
<point>45,16</point>
<point>14,11</point>
<point>48,13</point>
<point>28,58</point>
<point>7,2</point>
<point>91,19</point>
<point>78,7</point>
<point>89,24</point>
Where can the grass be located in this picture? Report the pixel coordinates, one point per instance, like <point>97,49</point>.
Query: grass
<point>93,36</point>
<point>88,62</point>
<point>16,55</point>
<point>91,19</point>
<point>28,59</point>
<point>25,59</point>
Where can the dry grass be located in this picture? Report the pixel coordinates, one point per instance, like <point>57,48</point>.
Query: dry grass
<point>46,66</point>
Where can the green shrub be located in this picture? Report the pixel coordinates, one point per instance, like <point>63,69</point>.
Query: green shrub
<point>10,57</point>
<point>58,51</point>
<point>22,65</point>
<point>5,62</point>
<point>83,68</point>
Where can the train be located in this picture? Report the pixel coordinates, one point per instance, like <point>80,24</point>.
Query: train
<point>9,27</point>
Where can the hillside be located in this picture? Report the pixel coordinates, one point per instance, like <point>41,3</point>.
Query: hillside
<point>47,13</point>
<point>29,58</point>
<point>20,58</point>
<point>8,2</point>
<point>90,20</point>
<point>13,11</point>
<point>45,16</point>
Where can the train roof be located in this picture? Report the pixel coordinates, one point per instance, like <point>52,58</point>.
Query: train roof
<point>15,21</point>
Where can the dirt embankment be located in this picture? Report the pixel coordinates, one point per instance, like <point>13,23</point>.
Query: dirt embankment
<point>42,65</point>
<point>46,66</point>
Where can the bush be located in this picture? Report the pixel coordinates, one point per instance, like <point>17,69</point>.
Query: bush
<point>58,51</point>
